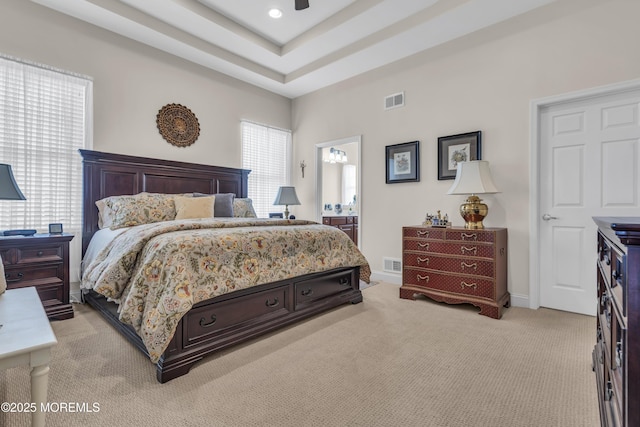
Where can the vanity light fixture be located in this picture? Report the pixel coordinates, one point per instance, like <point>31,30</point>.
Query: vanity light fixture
<point>336,155</point>
<point>275,13</point>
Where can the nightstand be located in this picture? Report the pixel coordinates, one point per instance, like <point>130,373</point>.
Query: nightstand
<point>42,261</point>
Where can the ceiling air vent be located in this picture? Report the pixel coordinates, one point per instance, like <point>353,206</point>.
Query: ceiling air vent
<point>394,101</point>
<point>392,265</point>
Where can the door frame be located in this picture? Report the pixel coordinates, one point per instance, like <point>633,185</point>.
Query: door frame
<point>357,139</point>
<point>536,107</point>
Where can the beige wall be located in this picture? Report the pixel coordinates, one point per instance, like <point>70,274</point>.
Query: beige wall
<point>485,82</point>
<point>132,82</point>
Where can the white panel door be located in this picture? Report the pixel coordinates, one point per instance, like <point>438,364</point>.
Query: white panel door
<point>589,157</point>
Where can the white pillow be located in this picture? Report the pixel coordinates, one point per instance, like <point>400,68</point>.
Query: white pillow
<point>194,207</point>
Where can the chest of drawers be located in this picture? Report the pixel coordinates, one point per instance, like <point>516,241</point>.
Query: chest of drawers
<point>42,261</point>
<point>616,355</point>
<point>456,265</point>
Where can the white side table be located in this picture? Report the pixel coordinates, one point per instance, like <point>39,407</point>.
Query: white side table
<point>26,338</point>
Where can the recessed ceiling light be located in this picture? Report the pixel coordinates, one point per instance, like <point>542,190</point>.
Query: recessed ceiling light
<point>275,13</point>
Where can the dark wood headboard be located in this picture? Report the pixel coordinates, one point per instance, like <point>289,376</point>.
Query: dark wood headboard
<point>107,174</point>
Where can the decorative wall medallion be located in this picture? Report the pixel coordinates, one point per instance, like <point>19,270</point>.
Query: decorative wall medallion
<point>178,125</point>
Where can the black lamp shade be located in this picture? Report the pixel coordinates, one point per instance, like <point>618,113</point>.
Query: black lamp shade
<point>9,189</point>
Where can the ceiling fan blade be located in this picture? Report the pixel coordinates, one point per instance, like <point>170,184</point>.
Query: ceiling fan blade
<point>302,4</point>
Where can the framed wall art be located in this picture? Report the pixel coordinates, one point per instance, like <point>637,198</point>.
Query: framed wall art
<point>403,162</point>
<point>457,148</point>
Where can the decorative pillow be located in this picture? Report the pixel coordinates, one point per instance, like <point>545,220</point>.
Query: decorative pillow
<point>243,208</point>
<point>223,206</point>
<point>105,216</point>
<point>142,208</point>
<point>194,207</point>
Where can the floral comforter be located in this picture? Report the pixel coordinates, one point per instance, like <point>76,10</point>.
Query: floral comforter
<point>157,272</point>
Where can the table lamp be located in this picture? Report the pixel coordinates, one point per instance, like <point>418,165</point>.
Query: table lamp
<point>286,196</point>
<point>9,190</point>
<point>473,177</point>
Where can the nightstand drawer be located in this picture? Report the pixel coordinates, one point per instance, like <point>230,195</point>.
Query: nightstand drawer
<point>28,254</point>
<point>37,254</point>
<point>32,275</point>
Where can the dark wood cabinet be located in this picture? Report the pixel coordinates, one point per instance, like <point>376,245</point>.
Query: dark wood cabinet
<point>347,223</point>
<point>42,261</point>
<point>616,355</point>
<point>456,265</point>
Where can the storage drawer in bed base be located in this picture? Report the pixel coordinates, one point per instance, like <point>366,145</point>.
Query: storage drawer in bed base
<point>198,335</point>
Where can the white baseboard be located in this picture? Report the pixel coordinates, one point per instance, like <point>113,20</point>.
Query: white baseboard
<point>383,276</point>
<point>520,301</point>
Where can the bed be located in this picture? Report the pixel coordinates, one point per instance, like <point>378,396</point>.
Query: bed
<point>239,313</point>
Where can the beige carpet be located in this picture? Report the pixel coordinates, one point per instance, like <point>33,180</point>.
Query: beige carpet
<point>384,362</point>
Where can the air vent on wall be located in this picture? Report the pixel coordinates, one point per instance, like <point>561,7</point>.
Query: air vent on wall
<point>394,101</point>
<point>392,265</point>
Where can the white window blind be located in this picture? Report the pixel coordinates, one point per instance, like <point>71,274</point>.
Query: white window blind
<point>45,117</point>
<point>267,152</point>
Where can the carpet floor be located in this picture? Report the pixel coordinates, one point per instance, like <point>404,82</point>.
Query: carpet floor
<point>383,362</point>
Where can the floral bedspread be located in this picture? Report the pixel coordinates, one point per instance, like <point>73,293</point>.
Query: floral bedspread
<point>157,272</point>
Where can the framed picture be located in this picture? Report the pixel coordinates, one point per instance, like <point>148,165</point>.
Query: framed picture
<point>403,162</point>
<point>455,149</point>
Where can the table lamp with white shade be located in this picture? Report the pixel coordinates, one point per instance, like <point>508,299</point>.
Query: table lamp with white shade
<point>286,196</point>
<point>473,178</point>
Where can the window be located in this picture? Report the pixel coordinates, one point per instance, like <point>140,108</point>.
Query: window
<point>348,184</point>
<point>45,117</point>
<point>267,152</point>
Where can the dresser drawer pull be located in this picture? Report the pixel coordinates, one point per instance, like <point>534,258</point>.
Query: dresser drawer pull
<point>423,245</point>
<point>618,355</point>
<point>306,292</point>
<point>465,265</point>
<point>608,393</point>
<point>272,303</point>
<point>425,260</point>
<point>472,236</point>
<point>204,324</point>
<point>40,253</point>
<point>8,278</point>
<point>344,281</point>
<point>469,285</point>
<point>423,278</point>
<point>464,248</point>
<point>424,233</point>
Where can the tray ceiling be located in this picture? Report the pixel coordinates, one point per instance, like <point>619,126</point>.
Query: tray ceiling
<point>302,51</point>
